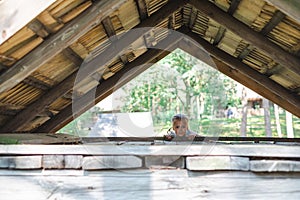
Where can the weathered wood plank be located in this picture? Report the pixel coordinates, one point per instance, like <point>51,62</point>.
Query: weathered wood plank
<point>187,149</point>
<point>42,138</point>
<point>151,185</point>
<point>57,42</point>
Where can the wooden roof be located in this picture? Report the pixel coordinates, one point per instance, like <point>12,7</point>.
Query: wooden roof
<point>76,52</point>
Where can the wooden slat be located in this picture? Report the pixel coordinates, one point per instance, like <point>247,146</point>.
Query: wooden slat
<point>258,40</point>
<point>278,93</point>
<point>107,87</point>
<point>55,43</point>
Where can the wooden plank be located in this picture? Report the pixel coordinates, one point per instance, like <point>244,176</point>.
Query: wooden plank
<point>208,148</point>
<point>256,39</point>
<point>42,138</point>
<point>107,87</point>
<point>146,184</point>
<point>55,43</point>
<point>219,36</point>
<point>289,7</point>
<point>280,94</point>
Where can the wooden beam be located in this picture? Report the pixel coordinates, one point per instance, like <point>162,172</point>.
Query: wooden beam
<point>32,81</point>
<point>259,82</point>
<point>219,36</point>
<point>57,42</point>
<point>275,20</point>
<point>246,51</point>
<point>72,56</point>
<point>109,28</point>
<point>142,8</point>
<point>289,7</point>
<point>128,38</point>
<point>37,27</point>
<point>127,73</point>
<point>242,30</point>
<point>233,6</point>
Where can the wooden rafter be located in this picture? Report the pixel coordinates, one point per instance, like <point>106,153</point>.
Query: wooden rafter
<point>108,86</point>
<point>256,39</point>
<point>57,42</point>
<point>259,82</point>
<point>33,110</point>
<point>128,38</point>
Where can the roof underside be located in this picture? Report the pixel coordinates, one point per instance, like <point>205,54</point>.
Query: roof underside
<point>73,54</point>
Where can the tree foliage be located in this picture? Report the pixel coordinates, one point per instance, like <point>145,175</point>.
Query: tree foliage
<point>179,83</point>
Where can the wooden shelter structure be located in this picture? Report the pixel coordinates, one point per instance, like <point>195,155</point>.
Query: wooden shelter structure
<point>71,54</point>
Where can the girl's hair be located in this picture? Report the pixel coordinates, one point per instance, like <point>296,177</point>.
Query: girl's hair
<point>179,117</point>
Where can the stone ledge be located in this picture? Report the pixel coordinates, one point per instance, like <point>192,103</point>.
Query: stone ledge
<point>21,162</point>
<point>111,162</point>
<point>174,161</point>
<point>217,163</point>
<point>274,166</point>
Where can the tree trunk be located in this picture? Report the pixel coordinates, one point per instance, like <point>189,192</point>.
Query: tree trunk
<point>289,124</point>
<point>266,107</point>
<point>244,113</point>
<point>277,121</point>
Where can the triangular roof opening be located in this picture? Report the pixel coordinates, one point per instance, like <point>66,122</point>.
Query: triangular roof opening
<point>179,83</point>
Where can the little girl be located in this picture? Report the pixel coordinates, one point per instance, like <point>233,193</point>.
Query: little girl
<point>180,128</point>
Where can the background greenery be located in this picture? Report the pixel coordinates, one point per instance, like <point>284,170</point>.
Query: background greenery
<point>180,83</point>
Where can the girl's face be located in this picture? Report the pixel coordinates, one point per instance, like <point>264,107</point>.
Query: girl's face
<point>180,127</point>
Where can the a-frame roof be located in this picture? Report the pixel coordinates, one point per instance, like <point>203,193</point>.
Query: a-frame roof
<point>76,52</point>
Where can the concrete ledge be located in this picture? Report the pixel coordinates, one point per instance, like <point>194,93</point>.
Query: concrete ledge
<point>174,161</point>
<point>274,166</point>
<point>217,163</point>
<point>21,162</point>
<point>111,162</point>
